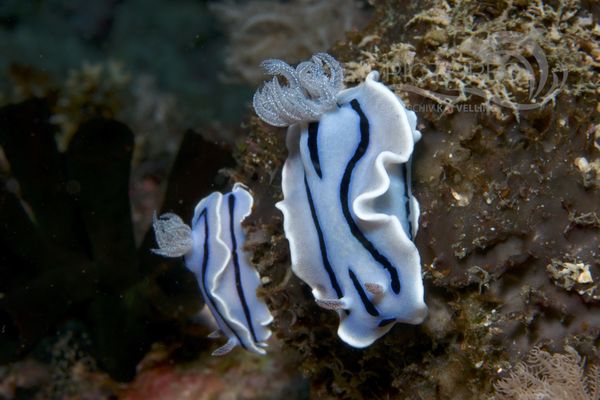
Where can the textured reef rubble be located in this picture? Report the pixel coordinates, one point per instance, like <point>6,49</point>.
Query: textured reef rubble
<point>509,226</point>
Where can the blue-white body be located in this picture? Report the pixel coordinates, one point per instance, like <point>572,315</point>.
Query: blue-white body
<point>349,213</point>
<point>214,253</point>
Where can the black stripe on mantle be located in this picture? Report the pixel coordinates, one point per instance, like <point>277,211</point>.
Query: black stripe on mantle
<point>345,193</point>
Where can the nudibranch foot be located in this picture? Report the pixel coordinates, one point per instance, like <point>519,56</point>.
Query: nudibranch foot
<point>374,288</point>
<point>214,251</point>
<point>332,304</point>
<point>349,213</point>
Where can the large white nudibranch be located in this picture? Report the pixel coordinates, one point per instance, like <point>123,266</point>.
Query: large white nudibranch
<point>349,213</point>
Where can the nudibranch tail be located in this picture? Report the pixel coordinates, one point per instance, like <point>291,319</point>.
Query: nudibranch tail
<point>349,213</point>
<point>226,348</point>
<point>213,250</point>
<point>215,334</point>
<point>310,91</point>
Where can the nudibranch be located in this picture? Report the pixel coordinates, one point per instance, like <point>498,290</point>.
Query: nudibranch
<point>214,252</point>
<point>349,214</point>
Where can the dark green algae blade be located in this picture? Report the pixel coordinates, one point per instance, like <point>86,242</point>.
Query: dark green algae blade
<point>98,165</point>
<point>27,138</point>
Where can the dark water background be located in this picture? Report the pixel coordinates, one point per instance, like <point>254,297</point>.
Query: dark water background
<point>177,43</point>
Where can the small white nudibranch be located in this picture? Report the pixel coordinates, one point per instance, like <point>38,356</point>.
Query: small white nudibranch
<point>349,213</point>
<point>213,250</point>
